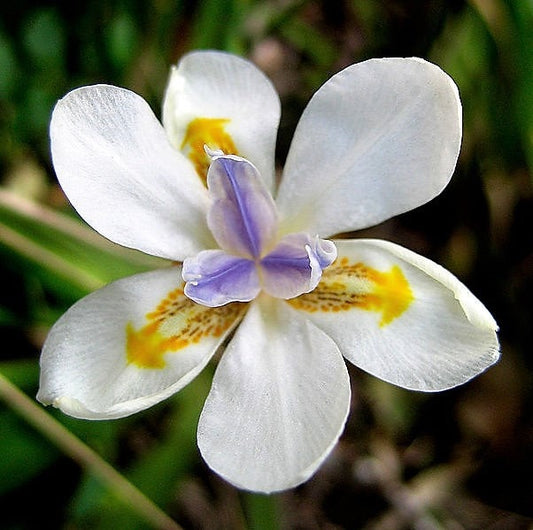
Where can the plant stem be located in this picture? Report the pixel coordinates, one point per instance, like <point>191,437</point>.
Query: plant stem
<point>84,456</point>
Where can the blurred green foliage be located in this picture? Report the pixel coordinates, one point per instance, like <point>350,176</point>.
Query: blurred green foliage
<point>472,445</point>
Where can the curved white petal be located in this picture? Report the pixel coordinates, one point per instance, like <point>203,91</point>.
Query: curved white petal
<point>211,84</point>
<point>114,162</point>
<point>128,346</point>
<point>279,401</point>
<point>379,138</point>
<point>402,317</point>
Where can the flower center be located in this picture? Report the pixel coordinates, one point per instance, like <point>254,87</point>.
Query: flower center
<point>251,256</point>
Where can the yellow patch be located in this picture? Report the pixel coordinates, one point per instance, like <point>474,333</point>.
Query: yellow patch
<point>206,131</point>
<point>345,286</point>
<point>176,323</point>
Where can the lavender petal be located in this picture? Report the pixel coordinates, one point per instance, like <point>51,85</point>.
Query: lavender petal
<point>214,278</point>
<point>242,217</point>
<point>295,265</point>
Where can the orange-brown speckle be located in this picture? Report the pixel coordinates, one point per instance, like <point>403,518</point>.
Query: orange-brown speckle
<point>346,286</point>
<point>176,323</point>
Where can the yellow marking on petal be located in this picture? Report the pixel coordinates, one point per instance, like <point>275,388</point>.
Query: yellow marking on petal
<point>177,322</point>
<point>345,286</point>
<point>208,132</point>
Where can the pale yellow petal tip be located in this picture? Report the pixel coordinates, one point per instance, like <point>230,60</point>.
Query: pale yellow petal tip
<point>43,400</point>
<point>69,405</point>
<point>476,313</point>
<point>75,408</point>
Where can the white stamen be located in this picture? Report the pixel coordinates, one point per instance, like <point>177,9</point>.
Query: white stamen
<point>213,153</point>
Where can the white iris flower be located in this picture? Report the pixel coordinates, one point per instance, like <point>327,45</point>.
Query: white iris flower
<point>378,139</point>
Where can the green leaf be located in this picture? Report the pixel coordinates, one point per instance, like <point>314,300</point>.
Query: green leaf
<point>310,41</point>
<point>262,511</point>
<point>522,14</point>
<point>122,39</point>
<point>68,257</point>
<point>7,317</point>
<point>157,472</point>
<point>24,454</point>
<point>219,25</point>
<point>44,39</point>
<point>9,68</point>
<point>22,373</point>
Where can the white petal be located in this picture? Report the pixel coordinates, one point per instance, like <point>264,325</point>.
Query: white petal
<point>379,138</point>
<point>402,317</point>
<point>114,162</point>
<point>209,84</point>
<point>93,363</point>
<point>279,401</point>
